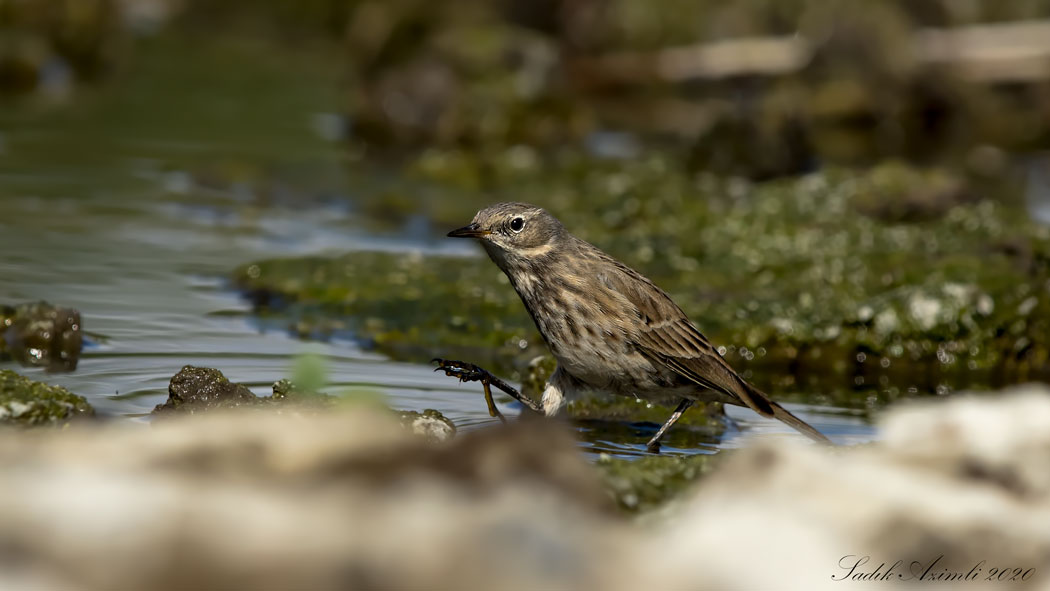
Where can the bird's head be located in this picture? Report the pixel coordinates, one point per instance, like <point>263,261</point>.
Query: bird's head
<point>513,231</point>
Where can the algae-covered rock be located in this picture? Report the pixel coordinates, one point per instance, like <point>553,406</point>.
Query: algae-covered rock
<point>646,483</point>
<point>199,389</point>
<point>41,334</point>
<point>26,402</point>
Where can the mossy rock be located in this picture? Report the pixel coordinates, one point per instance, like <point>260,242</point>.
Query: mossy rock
<point>201,389</point>
<point>29,403</point>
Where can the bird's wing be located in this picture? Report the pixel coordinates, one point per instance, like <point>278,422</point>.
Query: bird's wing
<point>665,335</point>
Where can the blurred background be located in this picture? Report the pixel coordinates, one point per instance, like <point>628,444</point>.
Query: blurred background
<point>849,198</point>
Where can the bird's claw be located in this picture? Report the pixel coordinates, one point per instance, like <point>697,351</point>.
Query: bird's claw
<point>466,372</point>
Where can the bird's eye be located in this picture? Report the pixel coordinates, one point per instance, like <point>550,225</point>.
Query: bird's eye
<point>517,224</point>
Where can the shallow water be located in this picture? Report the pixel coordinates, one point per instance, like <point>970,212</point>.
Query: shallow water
<point>133,204</point>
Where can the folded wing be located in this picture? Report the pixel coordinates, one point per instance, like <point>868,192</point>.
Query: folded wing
<point>666,336</point>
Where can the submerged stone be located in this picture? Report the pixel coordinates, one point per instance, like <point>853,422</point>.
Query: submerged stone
<point>27,402</point>
<point>41,334</point>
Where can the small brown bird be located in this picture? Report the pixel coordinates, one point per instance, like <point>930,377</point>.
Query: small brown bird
<point>610,328</point>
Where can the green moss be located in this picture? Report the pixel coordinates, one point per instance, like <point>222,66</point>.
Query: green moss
<point>405,304</point>
<point>26,402</point>
<point>646,483</point>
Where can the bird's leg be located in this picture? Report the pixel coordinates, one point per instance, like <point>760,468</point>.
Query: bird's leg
<point>468,372</point>
<point>654,444</point>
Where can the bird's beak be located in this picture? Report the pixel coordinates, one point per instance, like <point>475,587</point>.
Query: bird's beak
<point>471,231</point>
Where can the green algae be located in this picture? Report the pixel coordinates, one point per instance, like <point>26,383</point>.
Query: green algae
<point>390,300</point>
<point>29,403</point>
<point>643,484</point>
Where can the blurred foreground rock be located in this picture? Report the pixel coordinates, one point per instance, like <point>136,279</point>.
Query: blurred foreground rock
<point>348,500</point>
<point>956,485</point>
<point>267,501</point>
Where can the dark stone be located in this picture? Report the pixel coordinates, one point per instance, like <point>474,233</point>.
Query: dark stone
<point>197,389</point>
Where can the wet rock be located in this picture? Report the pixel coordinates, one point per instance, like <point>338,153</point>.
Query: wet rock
<point>28,403</point>
<point>41,334</point>
<point>200,389</point>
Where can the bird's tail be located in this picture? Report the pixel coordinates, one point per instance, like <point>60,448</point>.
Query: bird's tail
<point>784,415</point>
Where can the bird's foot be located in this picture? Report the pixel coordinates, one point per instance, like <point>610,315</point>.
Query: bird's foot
<point>468,372</point>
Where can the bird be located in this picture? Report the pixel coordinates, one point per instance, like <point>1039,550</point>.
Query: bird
<point>609,327</point>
